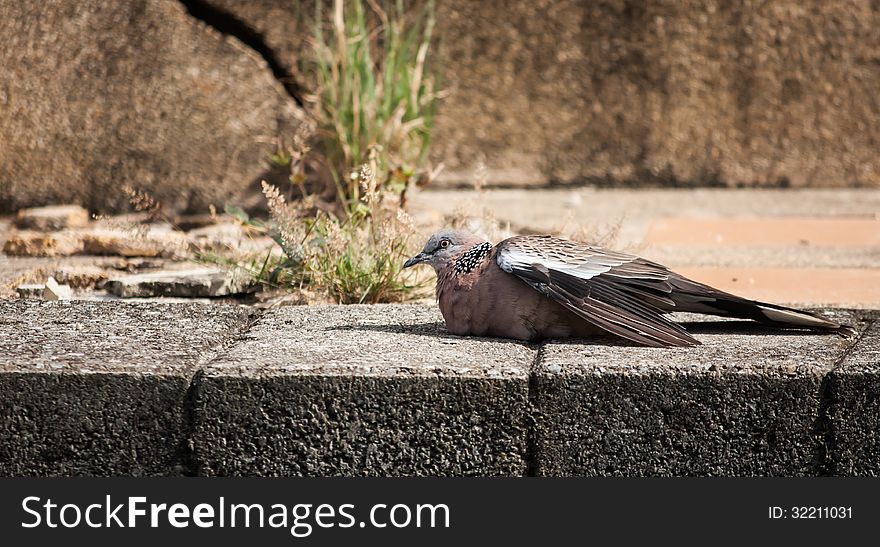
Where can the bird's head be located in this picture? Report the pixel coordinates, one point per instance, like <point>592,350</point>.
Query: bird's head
<point>442,247</point>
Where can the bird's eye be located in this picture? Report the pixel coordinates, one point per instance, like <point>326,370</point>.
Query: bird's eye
<point>444,243</point>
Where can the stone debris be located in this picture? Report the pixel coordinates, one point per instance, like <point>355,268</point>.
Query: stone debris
<point>52,218</point>
<point>227,236</point>
<point>135,264</point>
<point>215,237</point>
<point>150,241</point>
<point>81,277</point>
<point>142,241</point>
<point>56,291</point>
<point>193,222</point>
<point>30,291</point>
<point>32,243</point>
<point>192,283</point>
<point>130,236</point>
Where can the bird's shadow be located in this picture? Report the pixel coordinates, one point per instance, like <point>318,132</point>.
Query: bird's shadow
<point>437,329</point>
<point>434,329</point>
<point>750,328</point>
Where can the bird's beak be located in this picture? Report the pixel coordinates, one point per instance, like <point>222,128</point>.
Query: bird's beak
<point>418,259</point>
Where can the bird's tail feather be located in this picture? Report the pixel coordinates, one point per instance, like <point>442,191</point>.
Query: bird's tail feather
<point>695,297</point>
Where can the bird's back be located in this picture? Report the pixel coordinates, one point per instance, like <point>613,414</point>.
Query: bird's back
<point>478,298</point>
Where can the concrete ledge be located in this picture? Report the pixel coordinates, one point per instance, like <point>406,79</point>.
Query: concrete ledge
<point>855,408</point>
<point>363,390</point>
<point>99,388</point>
<point>746,402</point>
<point>103,388</point>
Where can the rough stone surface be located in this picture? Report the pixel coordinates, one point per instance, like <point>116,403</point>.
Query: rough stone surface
<point>194,283</point>
<point>697,92</point>
<point>283,25</point>
<point>52,218</point>
<point>746,402</point>
<point>99,388</point>
<point>30,243</point>
<point>146,241</point>
<point>855,411</point>
<point>362,390</point>
<point>134,241</point>
<point>81,277</point>
<point>227,236</point>
<point>96,96</point>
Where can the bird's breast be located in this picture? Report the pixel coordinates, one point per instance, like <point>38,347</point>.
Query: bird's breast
<point>491,302</point>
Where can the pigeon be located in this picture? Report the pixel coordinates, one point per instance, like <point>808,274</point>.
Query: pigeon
<point>536,287</point>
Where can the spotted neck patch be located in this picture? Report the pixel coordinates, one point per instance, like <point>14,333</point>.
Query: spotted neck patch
<point>472,258</point>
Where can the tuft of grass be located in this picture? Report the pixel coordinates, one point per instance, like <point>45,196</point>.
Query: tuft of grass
<point>354,260</point>
<point>372,113</point>
<point>375,95</point>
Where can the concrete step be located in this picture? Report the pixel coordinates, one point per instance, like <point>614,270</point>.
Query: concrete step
<point>104,388</point>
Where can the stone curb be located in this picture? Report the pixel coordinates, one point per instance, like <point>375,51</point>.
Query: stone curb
<point>99,388</point>
<point>362,390</point>
<point>854,409</point>
<point>747,402</point>
<point>105,388</point>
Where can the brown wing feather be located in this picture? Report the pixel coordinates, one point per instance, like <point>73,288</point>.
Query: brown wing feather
<point>620,293</point>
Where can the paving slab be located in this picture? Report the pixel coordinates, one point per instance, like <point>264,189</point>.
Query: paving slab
<point>99,388</point>
<point>362,390</point>
<point>43,244</point>
<point>855,412</point>
<point>118,388</point>
<point>747,402</point>
<point>52,218</point>
<point>203,282</point>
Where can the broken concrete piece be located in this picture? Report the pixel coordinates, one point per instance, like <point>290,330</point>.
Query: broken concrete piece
<point>193,222</point>
<point>31,243</point>
<point>194,283</point>
<point>55,291</point>
<point>52,218</point>
<point>80,277</point>
<point>228,236</point>
<point>217,236</point>
<point>30,291</point>
<point>148,241</point>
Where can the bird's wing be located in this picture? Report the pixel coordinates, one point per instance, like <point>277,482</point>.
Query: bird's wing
<point>620,293</point>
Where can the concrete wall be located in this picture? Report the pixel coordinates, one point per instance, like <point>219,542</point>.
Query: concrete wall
<point>184,98</point>
<point>696,92</point>
<point>99,95</point>
<point>106,388</point>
